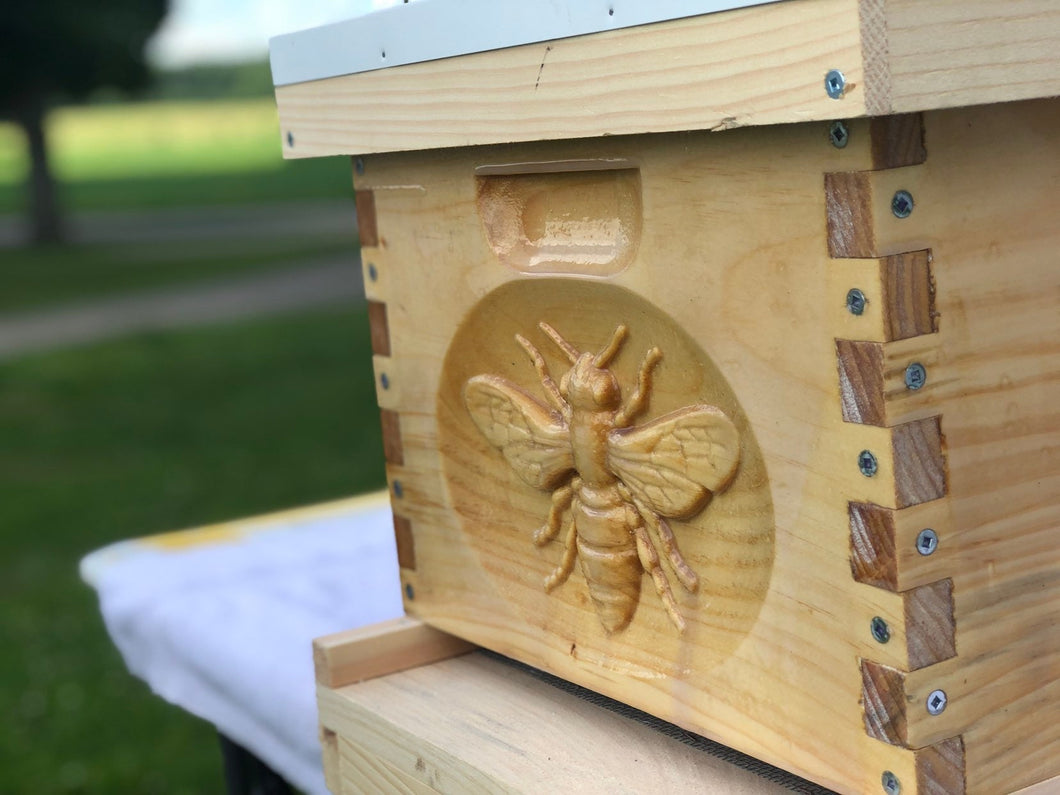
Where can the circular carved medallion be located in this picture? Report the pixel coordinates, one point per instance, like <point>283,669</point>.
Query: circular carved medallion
<point>604,472</point>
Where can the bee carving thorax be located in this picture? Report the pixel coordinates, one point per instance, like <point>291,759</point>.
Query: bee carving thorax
<point>588,438</point>
<point>615,483</point>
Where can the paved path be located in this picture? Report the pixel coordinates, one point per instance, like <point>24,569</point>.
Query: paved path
<point>278,219</point>
<point>325,282</point>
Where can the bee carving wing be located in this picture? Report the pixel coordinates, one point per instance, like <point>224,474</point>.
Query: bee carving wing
<point>535,441</point>
<point>674,463</point>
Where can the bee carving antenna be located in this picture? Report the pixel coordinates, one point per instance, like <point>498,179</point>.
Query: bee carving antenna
<point>566,347</point>
<point>604,357</point>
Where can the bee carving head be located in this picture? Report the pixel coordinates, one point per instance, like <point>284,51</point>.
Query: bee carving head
<point>589,384</point>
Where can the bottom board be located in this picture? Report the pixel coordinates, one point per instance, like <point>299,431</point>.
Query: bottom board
<point>481,723</point>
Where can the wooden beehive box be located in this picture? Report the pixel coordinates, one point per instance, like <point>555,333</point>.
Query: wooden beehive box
<point>719,363</point>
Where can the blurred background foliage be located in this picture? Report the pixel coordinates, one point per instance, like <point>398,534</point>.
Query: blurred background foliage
<point>158,430</point>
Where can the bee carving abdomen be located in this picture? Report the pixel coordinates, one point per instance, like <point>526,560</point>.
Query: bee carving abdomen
<point>609,560</point>
<point>613,576</point>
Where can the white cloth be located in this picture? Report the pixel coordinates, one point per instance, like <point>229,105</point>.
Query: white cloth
<point>220,621</point>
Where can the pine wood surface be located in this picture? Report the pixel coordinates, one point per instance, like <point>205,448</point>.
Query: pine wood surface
<point>380,649</point>
<point>745,67</point>
<point>475,725</point>
<point>733,249</point>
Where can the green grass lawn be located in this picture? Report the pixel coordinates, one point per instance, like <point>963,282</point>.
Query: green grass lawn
<point>36,277</point>
<point>138,436</point>
<point>164,154</point>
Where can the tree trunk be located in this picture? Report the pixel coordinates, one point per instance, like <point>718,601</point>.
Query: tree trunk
<point>45,219</point>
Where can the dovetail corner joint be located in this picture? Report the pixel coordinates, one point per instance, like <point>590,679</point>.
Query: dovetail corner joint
<point>619,482</point>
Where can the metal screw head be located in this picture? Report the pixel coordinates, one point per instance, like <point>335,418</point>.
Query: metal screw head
<point>880,631</point>
<point>384,379</point>
<point>358,165</point>
<point>902,204</point>
<point>890,782</point>
<point>927,541</point>
<point>835,83</point>
<point>838,134</point>
<point>936,702</point>
<point>409,592</point>
<point>290,138</point>
<point>373,274</point>
<point>856,301</point>
<point>915,376</point>
<point>399,490</point>
<point>867,463</point>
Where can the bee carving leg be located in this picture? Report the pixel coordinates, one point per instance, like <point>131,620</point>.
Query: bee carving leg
<point>566,564</point>
<point>661,528</point>
<point>683,571</point>
<point>561,500</point>
<point>649,559</point>
<point>638,401</point>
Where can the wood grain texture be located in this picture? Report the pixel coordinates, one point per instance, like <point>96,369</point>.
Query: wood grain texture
<point>476,725</point>
<point>329,752</point>
<point>940,768</point>
<point>381,649</point>
<point>380,329</point>
<point>919,462</point>
<point>897,140</point>
<point>766,309</point>
<point>1047,787</point>
<point>944,54</point>
<point>872,16</point>
<point>861,382</point>
<point>873,553</point>
<point>908,295</point>
<point>764,65</point>
<point>899,297</point>
<point>363,773</point>
<point>883,703</point>
<point>883,544</point>
<point>367,226</point>
<point>406,542</point>
<point>851,223</point>
<point>745,67</point>
<point>393,449</point>
<point>929,624</point>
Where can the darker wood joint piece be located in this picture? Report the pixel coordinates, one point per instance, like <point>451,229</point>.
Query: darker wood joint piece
<point>380,328</point>
<point>919,462</point>
<point>366,223</point>
<point>406,545</point>
<point>940,768</point>
<point>908,295</point>
<point>848,205</point>
<point>861,392</point>
<point>930,628</point>
<point>897,140</point>
<point>873,551</point>
<point>883,703</point>
<point>393,450</point>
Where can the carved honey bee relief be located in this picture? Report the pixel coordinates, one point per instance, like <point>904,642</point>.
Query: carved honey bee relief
<point>618,482</point>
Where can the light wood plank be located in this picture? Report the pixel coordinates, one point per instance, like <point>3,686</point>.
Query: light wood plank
<point>379,649</point>
<point>473,724</point>
<point>363,773</point>
<point>748,66</point>
<point>1049,787</point>
<point>950,53</point>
